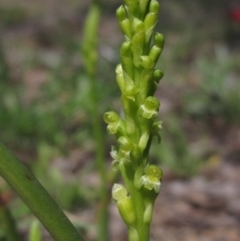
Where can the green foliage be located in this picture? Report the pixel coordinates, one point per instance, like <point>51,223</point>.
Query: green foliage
<point>175,153</point>
<point>217,93</point>
<point>12,16</point>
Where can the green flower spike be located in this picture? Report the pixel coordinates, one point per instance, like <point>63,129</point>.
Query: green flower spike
<point>137,79</point>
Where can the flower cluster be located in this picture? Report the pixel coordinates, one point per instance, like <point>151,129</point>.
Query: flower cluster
<point>137,79</point>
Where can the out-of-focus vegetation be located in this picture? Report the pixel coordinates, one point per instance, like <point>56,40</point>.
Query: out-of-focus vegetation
<point>44,91</point>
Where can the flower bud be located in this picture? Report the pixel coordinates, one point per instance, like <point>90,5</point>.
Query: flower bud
<point>147,216</point>
<point>138,41</point>
<point>138,25</point>
<point>159,40</point>
<point>150,22</point>
<point>155,53</point>
<point>143,6</point>
<point>143,140</point>
<point>132,6</point>
<point>154,6</point>
<point>157,75</point>
<point>124,21</point>
<point>121,82</point>
<point>119,192</point>
<point>147,62</point>
<point>126,210</point>
<point>121,13</point>
<point>124,203</point>
<point>126,58</point>
<point>126,28</point>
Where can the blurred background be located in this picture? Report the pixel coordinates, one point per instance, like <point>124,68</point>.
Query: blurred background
<point>45,113</point>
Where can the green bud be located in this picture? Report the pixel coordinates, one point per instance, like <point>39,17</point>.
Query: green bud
<point>120,78</point>
<point>145,84</point>
<point>119,192</point>
<point>155,53</point>
<point>126,28</point>
<point>157,75</point>
<point>138,25</point>
<point>126,58</point>
<point>154,6</point>
<point>143,140</point>
<point>143,6</point>
<point>126,210</point>
<point>138,41</point>
<point>132,6</point>
<point>147,62</point>
<point>147,216</point>
<point>159,40</point>
<point>121,14</point>
<point>124,21</point>
<point>150,22</point>
<point>130,90</point>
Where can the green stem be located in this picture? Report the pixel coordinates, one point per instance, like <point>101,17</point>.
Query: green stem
<point>100,161</point>
<point>142,228</point>
<point>36,197</point>
<point>8,224</point>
